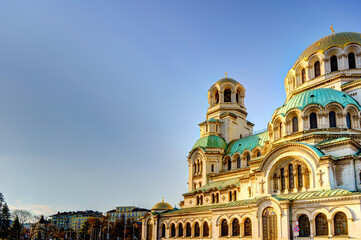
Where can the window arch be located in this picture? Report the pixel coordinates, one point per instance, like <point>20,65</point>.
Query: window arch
<point>149,230</point>
<point>197,230</point>
<point>304,225</point>
<point>313,120</point>
<point>172,230</point>
<point>351,61</point>
<point>229,164</point>
<point>230,196</point>
<point>299,176</point>
<point>283,183</point>
<point>188,230</point>
<point>227,95</point>
<point>295,124</point>
<point>258,154</point>
<point>224,228</point>
<point>217,97</point>
<point>317,69</point>
<point>340,224</point>
<point>247,227</point>
<point>348,120</point>
<point>303,75</point>
<point>334,65</point>
<point>235,227</point>
<point>291,179</point>
<point>332,119</point>
<point>234,195</point>
<point>205,230</point>
<point>163,231</point>
<point>238,162</point>
<point>201,200</point>
<point>180,230</point>
<point>280,130</point>
<point>248,158</point>
<point>321,225</point>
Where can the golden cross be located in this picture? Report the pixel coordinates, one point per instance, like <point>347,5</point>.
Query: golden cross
<point>226,73</point>
<point>333,31</point>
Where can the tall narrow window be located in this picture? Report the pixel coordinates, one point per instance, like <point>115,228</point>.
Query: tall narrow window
<point>247,227</point>
<point>295,124</point>
<point>237,96</point>
<point>205,230</point>
<point>217,97</point>
<point>283,183</point>
<point>313,120</point>
<point>280,130</point>
<point>238,162</point>
<point>213,198</point>
<point>229,165</point>
<point>172,231</point>
<point>197,200</point>
<point>188,230</point>
<point>235,227</point>
<point>248,158</point>
<point>227,95</point>
<point>197,230</point>
<point>180,230</point>
<point>332,119</point>
<point>317,69</point>
<point>348,120</point>
<point>321,225</point>
<point>212,168</point>
<point>234,195</point>
<point>299,176</point>
<point>217,197</point>
<point>230,196</point>
<point>303,76</point>
<point>201,200</point>
<point>149,230</point>
<point>333,62</point>
<point>304,225</point>
<point>291,178</point>
<point>224,228</point>
<point>163,231</point>
<point>340,224</point>
<point>351,61</point>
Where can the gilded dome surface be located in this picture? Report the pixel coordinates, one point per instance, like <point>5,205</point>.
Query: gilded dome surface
<point>162,206</point>
<point>321,96</point>
<point>341,39</point>
<point>226,79</point>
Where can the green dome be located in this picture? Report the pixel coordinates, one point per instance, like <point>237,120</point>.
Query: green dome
<point>341,39</point>
<point>227,79</point>
<point>211,141</point>
<point>321,96</point>
<point>248,143</point>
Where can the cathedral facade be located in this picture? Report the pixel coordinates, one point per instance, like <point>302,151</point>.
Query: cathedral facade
<point>300,178</point>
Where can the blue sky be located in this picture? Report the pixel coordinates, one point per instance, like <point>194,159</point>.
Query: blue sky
<point>100,100</point>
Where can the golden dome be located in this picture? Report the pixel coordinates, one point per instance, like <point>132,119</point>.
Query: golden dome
<point>161,206</point>
<point>341,39</point>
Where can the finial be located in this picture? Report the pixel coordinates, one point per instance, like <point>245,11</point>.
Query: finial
<point>226,73</point>
<point>162,199</point>
<point>333,31</point>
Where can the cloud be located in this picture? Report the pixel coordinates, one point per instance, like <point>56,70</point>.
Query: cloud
<point>33,208</point>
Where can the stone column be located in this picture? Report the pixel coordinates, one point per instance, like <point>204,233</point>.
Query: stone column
<point>279,185</point>
<point>312,229</point>
<point>327,65</point>
<point>304,179</point>
<point>233,97</point>
<point>342,63</point>
<point>305,123</point>
<point>295,179</point>
<point>358,60</point>
<point>330,228</point>
<point>287,181</point>
<point>221,97</point>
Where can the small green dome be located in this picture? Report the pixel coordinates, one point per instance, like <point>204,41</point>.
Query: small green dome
<point>341,39</point>
<point>321,96</point>
<point>211,141</point>
<point>227,79</point>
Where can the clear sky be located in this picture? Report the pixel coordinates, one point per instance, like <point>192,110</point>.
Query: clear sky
<point>100,100</point>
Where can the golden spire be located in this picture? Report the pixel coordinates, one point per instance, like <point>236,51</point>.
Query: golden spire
<point>162,199</point>
<point>333,31</point>
<point>226,73</point>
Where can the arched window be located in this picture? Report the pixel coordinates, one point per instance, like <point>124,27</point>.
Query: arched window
<point>227,95</point>
<point>188,230</point>
<point>248,158</point>
<point>217,97</point>
<point>217,198</point>
<point>149,230</point>
<point>317,69</point>
<point>295,124</point>
<point>163,231</point>
<point>283,184</point>
<point>205,230</point>
<point>303,76</point>
<point>304,225</point>
<point>333,62</point>
<point>332,119</point>
<point>348,120</point>
<point>230,196</point>
<point>321,225</point>
<point>197,200</point>
<point>172,230</point>
<point>234,195</point>
<point>247,227</point>
<point>213,198</point>
<point>197,230</point>
<point>229,164</point>
<point>313,120</point>
<point>351,61</point>
<point>195,185</point>
<point>212,168</point>
<point>235,227</point>
<point>180,230</point>
<point>258,154</point>
<point>340,224</point>
<point>201,200</point>
<point>291,179</point>
<point>238,162</point>
<point>237,96</point>
<point>224,228</point>
<point>280,130</point>
<point>299,176</point>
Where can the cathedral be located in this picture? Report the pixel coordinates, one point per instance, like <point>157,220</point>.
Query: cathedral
<point>300,178</point>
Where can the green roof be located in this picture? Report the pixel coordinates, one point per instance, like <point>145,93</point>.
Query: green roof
<point>315,194</point>
<point>351,82</point>
<point>218,185</point>
<point>211,141</point>
<point>341,39</point>
<point>315,149</point>
<point>340,139</point>
<point>320,96</point>
<point>247,143</point>
<point>213,120</point>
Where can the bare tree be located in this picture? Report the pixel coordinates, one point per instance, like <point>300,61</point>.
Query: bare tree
<point>22,215</point>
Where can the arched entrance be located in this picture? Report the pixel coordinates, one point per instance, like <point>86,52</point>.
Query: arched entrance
<point>149,230</point>
<point>269,224</point>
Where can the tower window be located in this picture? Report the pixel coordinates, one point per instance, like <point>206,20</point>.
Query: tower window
<point>237,96</point>
<point>227,95</point>
<point>348,120</point>
<point>317,69</point>
<point>332,119</point>
<point>212,168</point>
<point>248,158</point>
<point>351,61</point>
<point>303,76</point>
<point>313,120</point>
<point>294,124</point>
<point>238,162</point>
<point>217,97</point>
<point>333,62</point>
<point>229,165</point>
